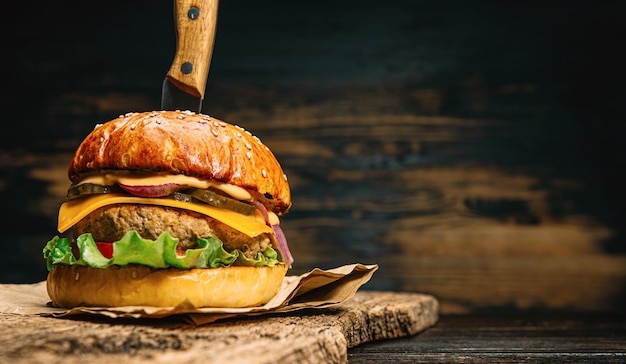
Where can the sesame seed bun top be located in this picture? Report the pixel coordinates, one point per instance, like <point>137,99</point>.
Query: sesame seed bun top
<point>183,142</point>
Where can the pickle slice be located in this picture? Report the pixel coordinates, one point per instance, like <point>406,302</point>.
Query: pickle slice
<point>206,196</point>
<point>179,196</point>
<point>90,189</point>
<point>217,200</point>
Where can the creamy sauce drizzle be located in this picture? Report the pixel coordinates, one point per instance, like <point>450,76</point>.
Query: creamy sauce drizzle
<point>109,179</point>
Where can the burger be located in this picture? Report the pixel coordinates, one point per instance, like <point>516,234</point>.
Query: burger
<point>170,208</point>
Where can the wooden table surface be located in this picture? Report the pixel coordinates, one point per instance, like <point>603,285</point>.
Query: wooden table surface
<point>506,338</point>
<point>320,335</point>
<point>376,332</point>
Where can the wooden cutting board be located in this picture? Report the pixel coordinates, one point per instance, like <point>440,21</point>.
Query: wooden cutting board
<point>305,336</point>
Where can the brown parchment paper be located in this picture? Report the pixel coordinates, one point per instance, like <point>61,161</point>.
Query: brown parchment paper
<point>315,289</point>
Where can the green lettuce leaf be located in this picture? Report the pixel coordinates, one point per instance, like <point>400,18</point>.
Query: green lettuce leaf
<point>90,254</point>
<point>269,257</point>
<point>58,251</point>
<point>210,254</point>
<point>133,249</point>
<point>159,253</point>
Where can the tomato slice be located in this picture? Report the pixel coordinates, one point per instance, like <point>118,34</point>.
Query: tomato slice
<point>106,249</point>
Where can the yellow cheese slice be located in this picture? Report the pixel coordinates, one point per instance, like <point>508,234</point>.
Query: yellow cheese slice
<point>73,211</point>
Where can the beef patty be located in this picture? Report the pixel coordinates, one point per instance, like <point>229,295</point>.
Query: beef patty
<point>111,223</point>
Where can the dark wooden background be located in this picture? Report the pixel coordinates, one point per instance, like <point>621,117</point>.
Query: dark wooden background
<point>474,150</point>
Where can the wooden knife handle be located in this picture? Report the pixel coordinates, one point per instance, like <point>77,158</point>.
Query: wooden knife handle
<point>195,34</point>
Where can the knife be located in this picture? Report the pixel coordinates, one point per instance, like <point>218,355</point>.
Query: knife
<point>185,82</point>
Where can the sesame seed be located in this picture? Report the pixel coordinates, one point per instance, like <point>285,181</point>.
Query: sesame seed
<point>248,146</point>
<point>249,155</point>
<point>264,173</point>
<point>214,132</point>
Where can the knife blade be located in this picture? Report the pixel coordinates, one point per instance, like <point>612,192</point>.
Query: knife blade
<point>185,82</point>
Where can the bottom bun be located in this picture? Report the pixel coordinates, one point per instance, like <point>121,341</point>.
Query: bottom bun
<point>139,285</point>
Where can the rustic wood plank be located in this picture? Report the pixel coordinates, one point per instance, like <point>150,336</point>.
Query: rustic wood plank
<point>507,338</point>
<point>307,336</point>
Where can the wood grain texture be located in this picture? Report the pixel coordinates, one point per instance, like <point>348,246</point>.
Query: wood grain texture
<point>507,338</point>
<point>195,37</point>
<point>310,336</point>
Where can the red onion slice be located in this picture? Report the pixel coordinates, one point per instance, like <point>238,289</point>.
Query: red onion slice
<point>262,210</point>
<point>278,232</point>
<point>151,191</point>
<point>282,244</point>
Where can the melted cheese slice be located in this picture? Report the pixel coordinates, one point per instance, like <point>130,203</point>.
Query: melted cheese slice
<point>73,211</point>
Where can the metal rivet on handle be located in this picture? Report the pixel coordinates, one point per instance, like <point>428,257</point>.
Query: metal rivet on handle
<point>193,13</point>
<point>186,68</point>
